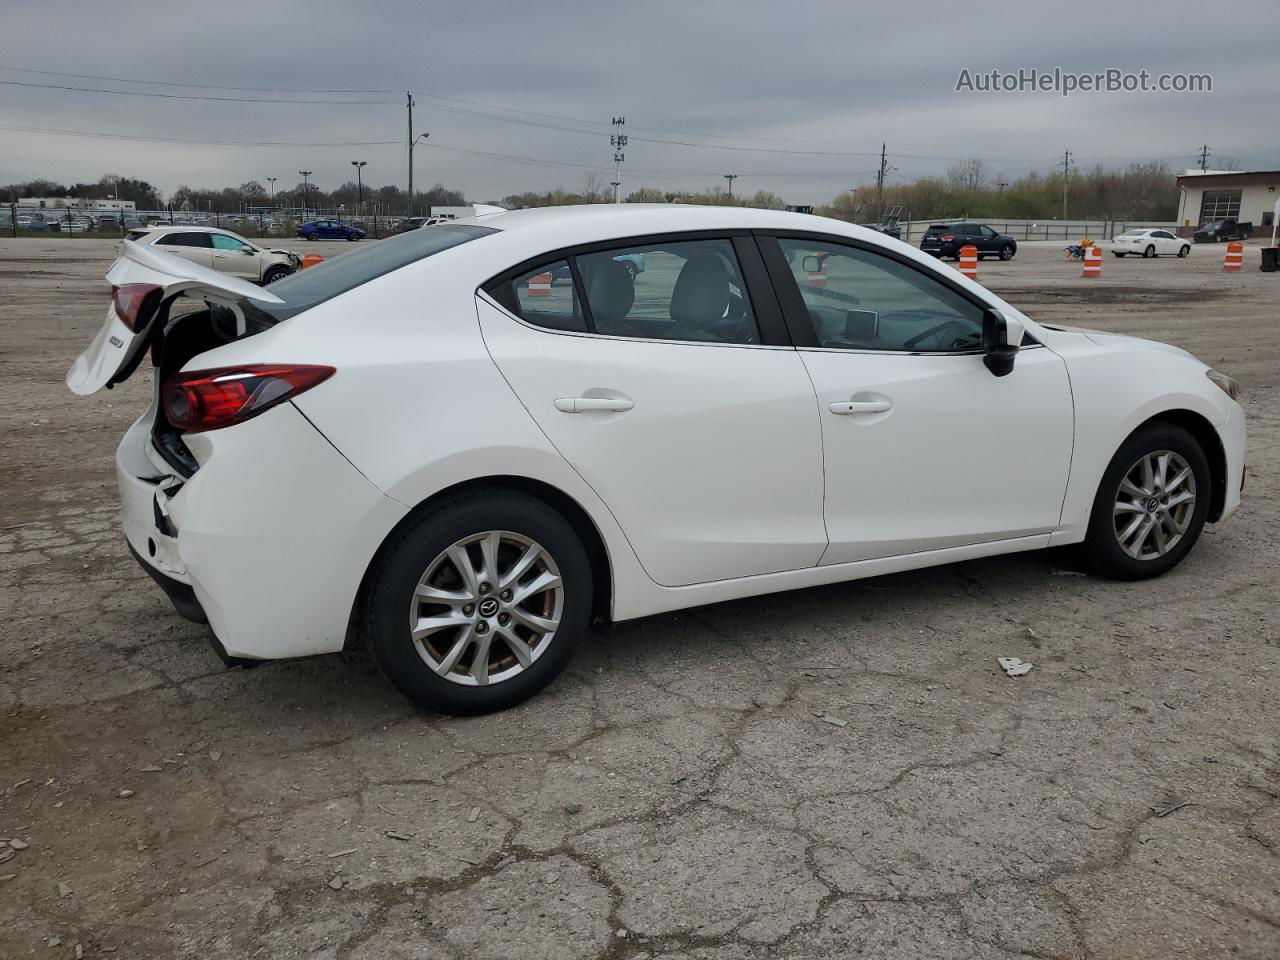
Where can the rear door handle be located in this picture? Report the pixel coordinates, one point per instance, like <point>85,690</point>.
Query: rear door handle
<point>846,407</point>
<point>585,404</point>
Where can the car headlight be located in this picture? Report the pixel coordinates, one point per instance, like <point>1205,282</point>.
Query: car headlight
<point>1229,386</point>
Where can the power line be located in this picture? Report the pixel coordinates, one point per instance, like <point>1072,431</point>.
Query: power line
<point>175,83</point>
<point>215,143</point>
<point>183,96</point>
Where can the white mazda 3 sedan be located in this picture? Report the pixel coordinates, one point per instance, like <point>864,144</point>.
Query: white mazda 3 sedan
<point>461,444</point>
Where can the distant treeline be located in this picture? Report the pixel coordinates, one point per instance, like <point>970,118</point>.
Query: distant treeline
<point>1140,191</point>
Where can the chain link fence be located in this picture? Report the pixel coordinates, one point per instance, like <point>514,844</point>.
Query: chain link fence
<point>258,223</point>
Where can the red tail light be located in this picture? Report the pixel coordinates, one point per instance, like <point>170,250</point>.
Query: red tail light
<point>948,238</point>
<point>210,399</point>
<point>129,300</point>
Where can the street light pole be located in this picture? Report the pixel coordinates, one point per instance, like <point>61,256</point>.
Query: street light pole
<point>306,189</point>
<point>359,164</point>
<point>272,182</point>
<point>413,143</point>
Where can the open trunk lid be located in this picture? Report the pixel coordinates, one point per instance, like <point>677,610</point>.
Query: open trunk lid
<point>114,352</point>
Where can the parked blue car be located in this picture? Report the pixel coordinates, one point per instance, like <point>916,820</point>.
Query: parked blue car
<point>329,230</point>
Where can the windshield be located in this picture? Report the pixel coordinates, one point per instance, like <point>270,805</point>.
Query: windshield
<point>307,288</point>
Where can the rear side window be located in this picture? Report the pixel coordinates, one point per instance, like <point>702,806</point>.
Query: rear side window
<point>307,288</point>
<point>185,240</point>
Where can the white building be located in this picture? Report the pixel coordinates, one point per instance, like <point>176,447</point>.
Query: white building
<point>1247,196</point>
<point>75,203</point>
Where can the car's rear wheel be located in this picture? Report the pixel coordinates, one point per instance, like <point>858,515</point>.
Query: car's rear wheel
<point>1151,504</point>
<point>1150,252</point>
<point>1117,253</point>
<point>1184,250</point>
<point>478,603</point>
<point>1006,252</point>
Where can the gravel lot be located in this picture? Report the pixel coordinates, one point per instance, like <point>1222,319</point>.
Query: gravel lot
<point>837,772</point>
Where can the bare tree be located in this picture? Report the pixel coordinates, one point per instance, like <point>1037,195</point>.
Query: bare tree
<point>970,175</point>
<point>593,185</point>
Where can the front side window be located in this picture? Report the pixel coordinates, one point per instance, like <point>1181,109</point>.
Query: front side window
<point>690,290</point>
<point>222,242</point>
<point>860,300</point>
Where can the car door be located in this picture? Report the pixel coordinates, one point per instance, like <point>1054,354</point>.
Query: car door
<point>194,246</point>
<point>675,395</point>
<point>1168,243</point>
<point>987,239</point>
<point>924,447</point>
<point>234,256</point>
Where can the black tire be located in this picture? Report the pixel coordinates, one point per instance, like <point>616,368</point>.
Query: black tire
<point>394,578</point>
<point>1101,545</point>
<point>631,269</point>
<point>1150,252</point>
<point>1006,252</point>
<point>1113,253</point>
<point>275,273</point>
<point>1184,251</point>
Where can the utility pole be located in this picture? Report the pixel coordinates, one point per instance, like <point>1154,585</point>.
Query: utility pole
<point>618,141</point>
<point>1066,173</point>
<point>408,97</point>
<point>271,181</point>
<point>731,177</point>
<point>884,166</point>
<point>1204,158</point>
<point>305,191</point>
<point>359,164</point>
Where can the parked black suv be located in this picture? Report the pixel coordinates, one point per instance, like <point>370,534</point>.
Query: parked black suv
<point>946,239</point>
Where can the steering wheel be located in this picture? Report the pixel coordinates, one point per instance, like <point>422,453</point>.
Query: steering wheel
<point>936,330</point>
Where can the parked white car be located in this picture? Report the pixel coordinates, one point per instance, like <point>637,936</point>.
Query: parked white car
<point>435,443</point>
<point>219,250</point>
<point>1150,243</point>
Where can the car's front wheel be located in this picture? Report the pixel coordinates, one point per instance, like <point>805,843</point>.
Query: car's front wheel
<point>1151,504</point>
<point>1006,252</point>
<point>275,273</point>
<point>478,603</point>
<point>1184,250</point>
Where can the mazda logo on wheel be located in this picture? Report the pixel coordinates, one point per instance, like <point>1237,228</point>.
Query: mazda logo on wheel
<point>1153,505</point>
<point>488,607</point>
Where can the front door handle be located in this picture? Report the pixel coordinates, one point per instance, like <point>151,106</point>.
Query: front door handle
<point>846,407</point>
<point>586,404</point>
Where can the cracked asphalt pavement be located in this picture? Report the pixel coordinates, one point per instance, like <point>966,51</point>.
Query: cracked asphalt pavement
<point>836,772</point>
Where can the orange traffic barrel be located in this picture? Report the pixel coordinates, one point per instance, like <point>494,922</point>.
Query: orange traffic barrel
<point>1234,260</point>
<point>969,261</point>
<point>1092,262</point>
<point>311,259</point>
<point>540,285</point>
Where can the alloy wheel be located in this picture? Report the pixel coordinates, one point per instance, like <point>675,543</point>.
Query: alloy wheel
<point>1154,505</point>
<point>486,608</point>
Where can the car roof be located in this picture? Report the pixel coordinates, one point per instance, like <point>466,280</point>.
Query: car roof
<point>639,219</point>
<point>186,228</point>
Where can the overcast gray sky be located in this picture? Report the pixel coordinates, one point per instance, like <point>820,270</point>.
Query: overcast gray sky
<point>804,92</point>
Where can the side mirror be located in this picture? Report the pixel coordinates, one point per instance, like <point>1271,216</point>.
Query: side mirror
<point>1001,337</point>
<point>811,264</point>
